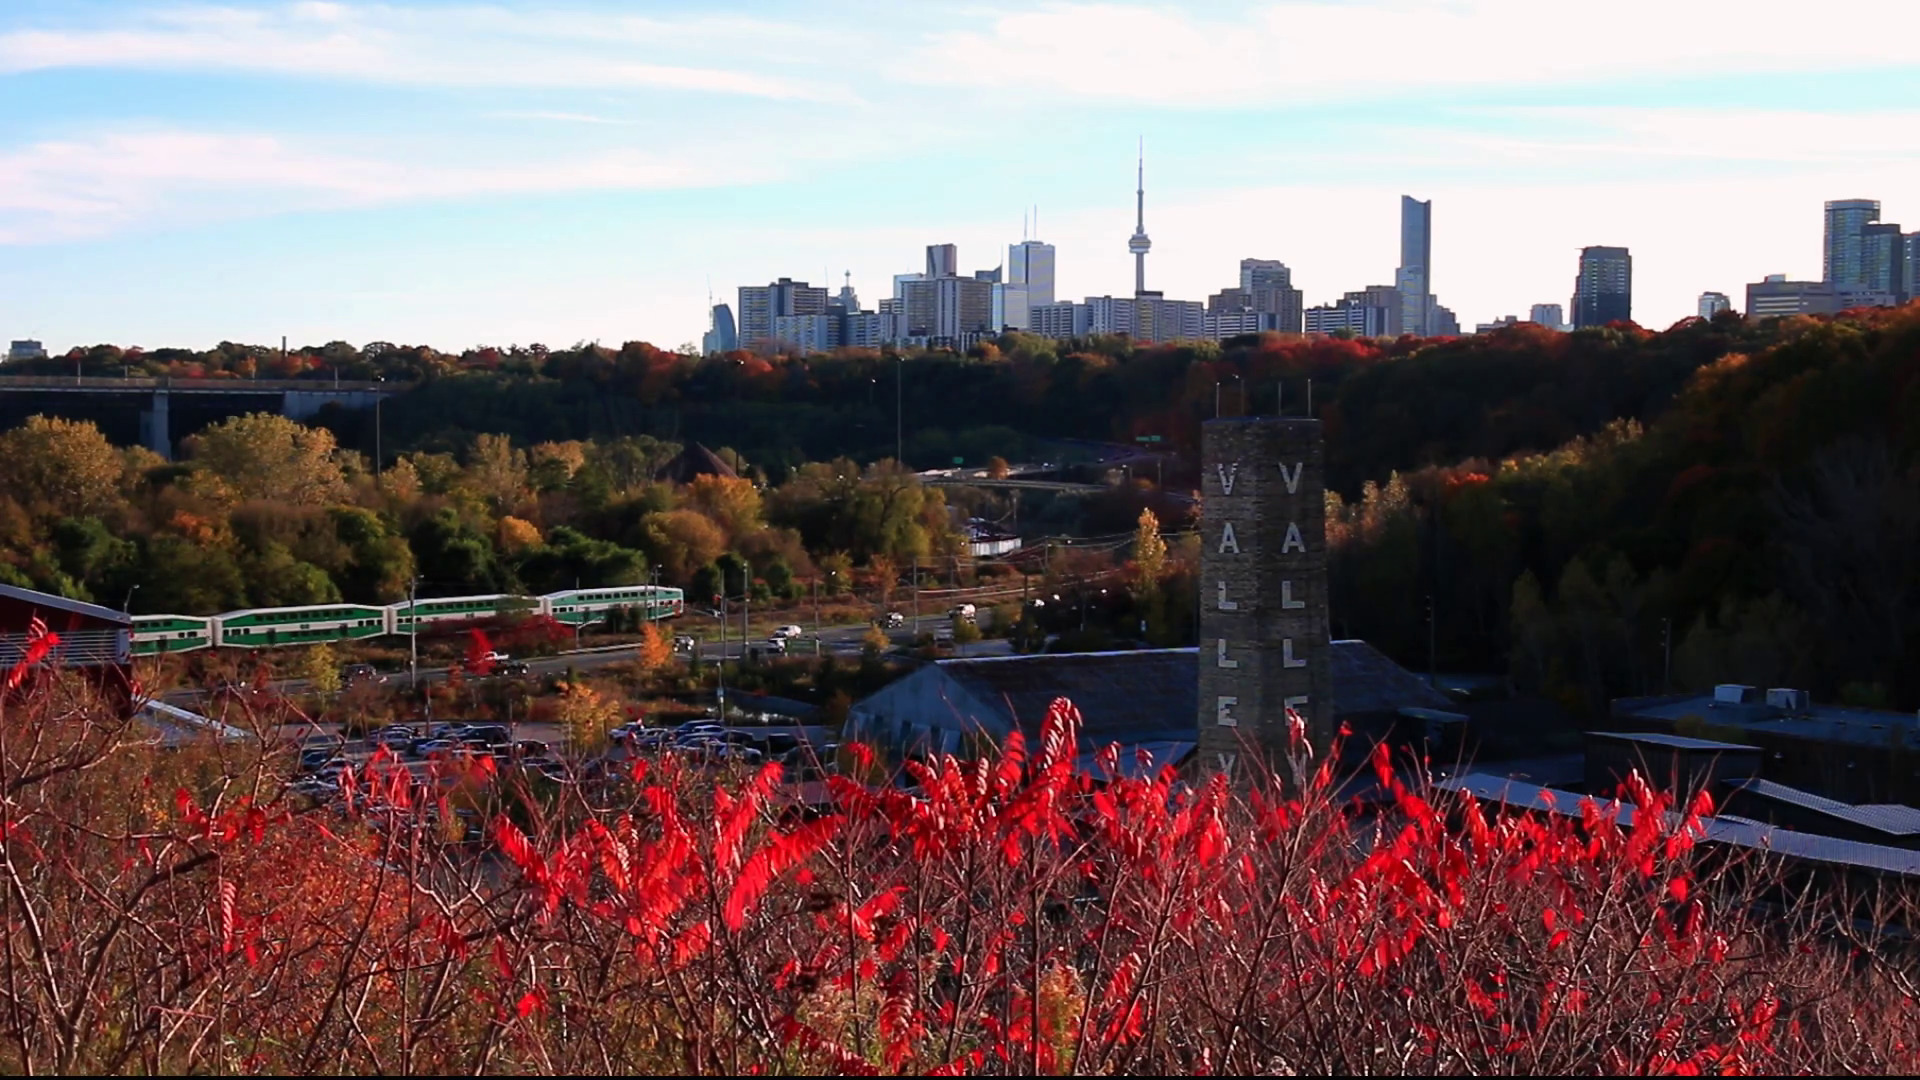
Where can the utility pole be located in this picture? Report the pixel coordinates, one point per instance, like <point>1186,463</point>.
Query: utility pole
<point>1433,646</point>
<point>377,395</point>
<point>1666,640</point>
<point>720,669</point>
<point>916,594</point>
<point>413,633</point>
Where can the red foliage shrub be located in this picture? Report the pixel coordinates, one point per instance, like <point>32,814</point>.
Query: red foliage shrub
<point>1014,914</point>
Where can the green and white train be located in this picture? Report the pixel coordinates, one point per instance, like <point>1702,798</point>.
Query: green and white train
<point>258,628</point>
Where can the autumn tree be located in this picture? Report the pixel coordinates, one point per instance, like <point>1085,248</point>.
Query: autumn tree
<point>997,467</point>
<point>886,574</point>
<point>729,501</point>
<point>655,652</point>
<point>1149,551</point>
<point>59,468</point>
<point>321,668</point>
<point>587,715</point>
<point>496,471</point>
<point>264,456</point>
<point>517,535</point>
<point>682,541</point>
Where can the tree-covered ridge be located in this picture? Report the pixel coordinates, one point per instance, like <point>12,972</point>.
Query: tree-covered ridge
<point>266,512</point>
<point>1573,503</point>
<point>1388,404</point>
<point>1768,520</point>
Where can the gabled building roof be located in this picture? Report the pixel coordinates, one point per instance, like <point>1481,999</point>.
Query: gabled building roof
<point>694,460</point>
<point>1130,697</point>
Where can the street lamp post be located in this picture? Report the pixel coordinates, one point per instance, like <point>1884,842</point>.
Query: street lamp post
<point>413,634</point>
<point>126,607</point>
<point>377,397</point>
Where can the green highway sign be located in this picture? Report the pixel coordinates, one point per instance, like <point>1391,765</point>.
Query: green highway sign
<point>959,461</point>
<point>1146,438</point>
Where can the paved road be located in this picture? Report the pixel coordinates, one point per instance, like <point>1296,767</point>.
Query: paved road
<point>833,641</point>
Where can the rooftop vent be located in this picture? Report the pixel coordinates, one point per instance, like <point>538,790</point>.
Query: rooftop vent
<point>1735,694</point>
<point>1793,701</point>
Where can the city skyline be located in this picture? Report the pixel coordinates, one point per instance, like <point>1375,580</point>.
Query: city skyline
<point>390,172</point>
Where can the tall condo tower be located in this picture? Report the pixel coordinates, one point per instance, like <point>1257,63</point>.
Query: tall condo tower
<point>1414,279</point>
<point>1139,244</point>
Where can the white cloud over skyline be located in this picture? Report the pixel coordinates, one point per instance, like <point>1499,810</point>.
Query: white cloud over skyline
<point>793,139</point>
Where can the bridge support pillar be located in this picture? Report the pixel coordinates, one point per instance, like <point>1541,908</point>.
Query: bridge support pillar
<point>155,432</point>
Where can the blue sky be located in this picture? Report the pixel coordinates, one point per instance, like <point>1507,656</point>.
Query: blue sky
<point>454,174</point>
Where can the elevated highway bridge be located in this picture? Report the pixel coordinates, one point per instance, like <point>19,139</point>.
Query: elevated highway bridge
<point>157,412</point>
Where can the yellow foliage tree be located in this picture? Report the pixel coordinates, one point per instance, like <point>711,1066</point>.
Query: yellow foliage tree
<point>655,652</point>
<point>586,716</point>
<point>728,501</point>
<point>1149,550</point>
<point>264,456</point>
<point>59,468</point>
<point>496,471</point>
<point>518,534</point>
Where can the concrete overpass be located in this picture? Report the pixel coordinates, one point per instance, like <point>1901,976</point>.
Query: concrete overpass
<point>947,479</point>
<point>157,412</point>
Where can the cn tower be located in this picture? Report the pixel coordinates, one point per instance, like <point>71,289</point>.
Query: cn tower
<point>1139,244</point>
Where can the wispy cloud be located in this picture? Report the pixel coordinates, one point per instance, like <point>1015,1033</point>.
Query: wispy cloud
<point>1315,50</point>
<point>560,117</point>
<point>75,189</point>
<point>448,47</point>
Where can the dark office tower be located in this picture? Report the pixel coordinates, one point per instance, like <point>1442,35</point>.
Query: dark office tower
<point>1603,292</point>
<point>943,260</point>
<point>1415,277</point>
<point>1882,265</point>
<point>1910,264</point>
<point>1843,262</point>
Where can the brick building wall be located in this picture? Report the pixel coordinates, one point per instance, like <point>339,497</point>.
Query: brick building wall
<point>1263,588</point>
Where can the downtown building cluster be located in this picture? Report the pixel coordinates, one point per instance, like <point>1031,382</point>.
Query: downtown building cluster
<point>939,306</point>
<point>1866,262</point>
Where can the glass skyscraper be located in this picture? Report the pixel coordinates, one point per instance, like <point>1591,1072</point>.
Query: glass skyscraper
<point>1415,279</point>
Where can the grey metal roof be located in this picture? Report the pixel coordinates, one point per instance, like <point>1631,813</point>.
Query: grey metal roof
<point>1677,742</point>
<point>1366,681</point>
<point>1826,723</point>
<point>37,598</point>
<point>1128,697</point>
<point>1890,818</point>
<point>1731,831</point>
<point>1153,694</point>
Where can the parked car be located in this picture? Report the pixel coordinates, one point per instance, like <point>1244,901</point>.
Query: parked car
<point>394,738</point>
<point>782,633</point>
<point>531,749</point>
<point>323,764</point>
<point>425,748</point>
<point>495,734</point>
<point>315,787</point>
<point>448,731</point>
